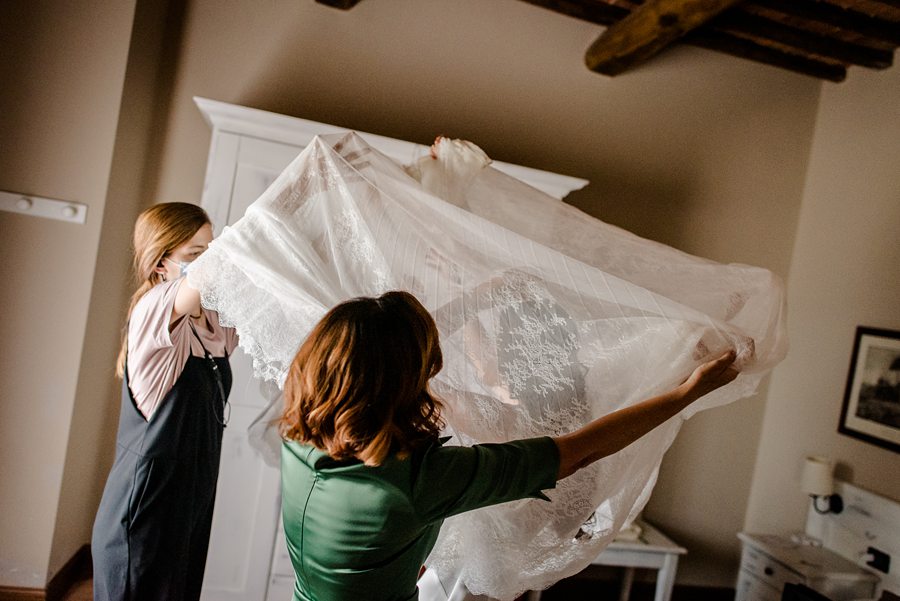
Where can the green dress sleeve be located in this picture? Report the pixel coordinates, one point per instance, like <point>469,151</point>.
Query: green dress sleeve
<point>452,480</point>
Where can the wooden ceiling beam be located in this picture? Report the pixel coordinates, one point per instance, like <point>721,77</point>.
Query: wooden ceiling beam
<point>804,41</point>
<point>748,49</point>
<point>891,3</point>
<point>648,29</point>
<point>837,16</point>
<point>341,4</point>
<point>594,12</point>
<point>750,45</point>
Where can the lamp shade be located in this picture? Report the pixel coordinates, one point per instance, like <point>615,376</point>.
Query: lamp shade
<point>817,476</point>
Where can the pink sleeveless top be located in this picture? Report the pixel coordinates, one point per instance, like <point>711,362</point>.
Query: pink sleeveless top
<point>157,352</point>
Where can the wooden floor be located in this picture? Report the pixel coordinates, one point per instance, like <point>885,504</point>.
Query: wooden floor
<point>571,589</point>
<point>83,591</point>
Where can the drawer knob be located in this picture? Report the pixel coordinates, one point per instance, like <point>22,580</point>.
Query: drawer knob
<point>768,571</point>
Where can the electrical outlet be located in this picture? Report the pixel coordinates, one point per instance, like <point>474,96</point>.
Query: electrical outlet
<point>881,561</point>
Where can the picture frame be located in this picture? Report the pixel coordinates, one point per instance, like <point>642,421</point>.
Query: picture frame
<point>871,408</point>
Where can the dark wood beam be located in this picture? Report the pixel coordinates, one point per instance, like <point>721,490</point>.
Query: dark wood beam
<point>806,42</point>
<point>837,16</point>
<point>648,29</point>
<point>720,41</point>
<point>891,3</point>
<point>593,12</point>
<point>748,49</point>
<point>341,4</point>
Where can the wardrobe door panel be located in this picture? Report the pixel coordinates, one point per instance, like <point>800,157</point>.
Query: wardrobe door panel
<point>248,497</point>
<point>259,162</point>
<point>244,520</point>
<point>217,187</point>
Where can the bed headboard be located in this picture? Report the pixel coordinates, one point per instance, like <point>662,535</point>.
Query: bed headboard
<point>868,522</point>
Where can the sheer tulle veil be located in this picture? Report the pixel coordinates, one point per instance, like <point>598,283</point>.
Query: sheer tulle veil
<point>548,318</point>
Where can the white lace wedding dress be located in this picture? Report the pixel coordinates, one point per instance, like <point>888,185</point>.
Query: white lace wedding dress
<point>548,318</point>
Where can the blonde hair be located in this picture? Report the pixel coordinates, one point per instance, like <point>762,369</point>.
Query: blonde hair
<point>157,232</point>
<point>358,386</point>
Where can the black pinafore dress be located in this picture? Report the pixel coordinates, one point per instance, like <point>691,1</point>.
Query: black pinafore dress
<point>152,529</point>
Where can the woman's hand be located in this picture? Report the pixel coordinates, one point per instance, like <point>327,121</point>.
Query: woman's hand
<point>710,376</point>
<point>615,431</point>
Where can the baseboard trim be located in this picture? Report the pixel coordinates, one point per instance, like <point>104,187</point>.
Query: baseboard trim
<point>17,593</point>
<point>73,570</point>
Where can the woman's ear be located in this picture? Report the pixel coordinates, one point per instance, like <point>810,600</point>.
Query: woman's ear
<point>161,269</point>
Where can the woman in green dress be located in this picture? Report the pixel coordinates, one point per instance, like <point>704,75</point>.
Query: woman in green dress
<point>366,482</point>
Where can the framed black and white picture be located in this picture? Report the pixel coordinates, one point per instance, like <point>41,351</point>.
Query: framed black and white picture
<point>871,409</point>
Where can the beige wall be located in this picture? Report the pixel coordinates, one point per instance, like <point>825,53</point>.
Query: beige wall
<point>845,272</point>
<point>144,104</point>
<point>698,150</point>
<point>63,66</point>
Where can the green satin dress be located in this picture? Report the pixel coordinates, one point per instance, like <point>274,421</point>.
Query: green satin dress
<point>356,532</point>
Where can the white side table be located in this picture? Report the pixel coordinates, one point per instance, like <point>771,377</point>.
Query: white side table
<point>652,550</point>
<point>769,561</point>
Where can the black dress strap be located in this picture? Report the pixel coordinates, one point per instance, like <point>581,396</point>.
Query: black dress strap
<point>211,361</point>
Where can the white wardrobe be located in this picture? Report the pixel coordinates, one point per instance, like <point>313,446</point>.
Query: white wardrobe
<point>248,559</point>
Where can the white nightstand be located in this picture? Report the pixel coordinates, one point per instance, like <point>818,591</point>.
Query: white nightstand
<point>768,562</point>
<point>652,550</point>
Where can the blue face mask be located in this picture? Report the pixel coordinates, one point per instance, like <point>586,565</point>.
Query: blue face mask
<point>182,265</point>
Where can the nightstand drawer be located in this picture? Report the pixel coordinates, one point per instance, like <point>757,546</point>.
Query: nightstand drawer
<point>768,570</point>
<point>750,588</point>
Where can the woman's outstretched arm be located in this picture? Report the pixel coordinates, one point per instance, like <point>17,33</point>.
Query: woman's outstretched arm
<point>187,301</point>
<point>612,433</point>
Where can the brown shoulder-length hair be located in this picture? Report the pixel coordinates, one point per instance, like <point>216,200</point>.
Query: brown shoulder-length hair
<point>358,387</point>
<point>157,232</point>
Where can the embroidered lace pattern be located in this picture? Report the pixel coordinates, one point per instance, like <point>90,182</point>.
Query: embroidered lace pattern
<point>548,318</point>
